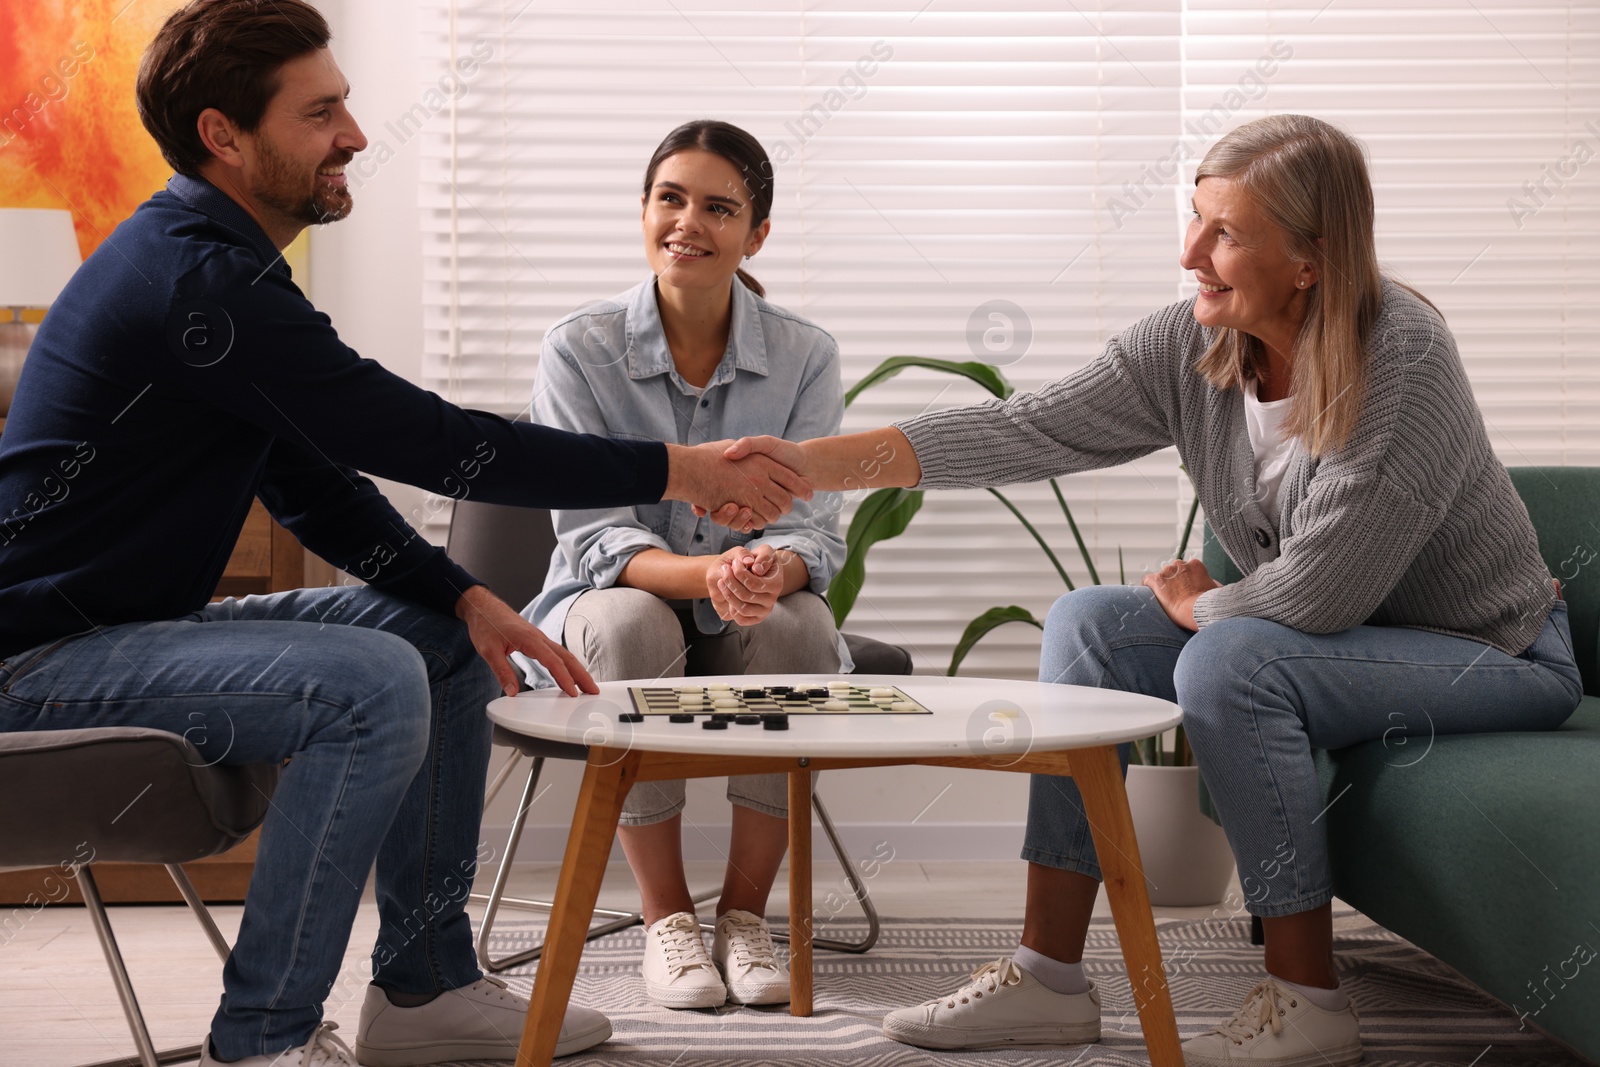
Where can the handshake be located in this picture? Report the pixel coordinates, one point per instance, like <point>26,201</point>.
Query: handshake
<point>744,484</point>
<point>748,483</point>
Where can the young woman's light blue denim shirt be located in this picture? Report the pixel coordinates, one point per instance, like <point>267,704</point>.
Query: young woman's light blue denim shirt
<point>606,369</point>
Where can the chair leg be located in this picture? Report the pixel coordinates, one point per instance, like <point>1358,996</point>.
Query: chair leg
<point>501,777</point>
<point>857,887</point>
<point>181,879</point>
<point>147,1055</point>
<point>503,901</point>
<point>503,874</point>
<point>497,894</point>
<point>497,898</point>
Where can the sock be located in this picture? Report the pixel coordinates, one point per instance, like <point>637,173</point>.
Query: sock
<point>1334,999</point>
<point>409,1000</point>
<point>1054,975</point>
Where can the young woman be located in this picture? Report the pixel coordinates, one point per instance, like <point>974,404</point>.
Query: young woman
<point>694,354</point>
<point>1389,566</point>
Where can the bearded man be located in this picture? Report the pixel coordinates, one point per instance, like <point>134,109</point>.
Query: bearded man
<point>182,374</point>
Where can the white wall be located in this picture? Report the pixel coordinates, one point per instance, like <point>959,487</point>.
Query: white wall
<point>366,274</point>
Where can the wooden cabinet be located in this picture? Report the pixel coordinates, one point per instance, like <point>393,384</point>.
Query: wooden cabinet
<point>266,559</point>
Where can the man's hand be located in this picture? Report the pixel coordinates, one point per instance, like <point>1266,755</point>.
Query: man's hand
<point>745,584</point>
<point>1177,586</point>
<point>788,453</point>
<point>746,493</point>
<point>497,631</point>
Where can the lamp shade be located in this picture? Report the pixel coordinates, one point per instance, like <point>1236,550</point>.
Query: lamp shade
<point>38,253</point>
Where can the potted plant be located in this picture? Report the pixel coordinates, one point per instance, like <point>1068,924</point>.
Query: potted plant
<point>1187,860</point>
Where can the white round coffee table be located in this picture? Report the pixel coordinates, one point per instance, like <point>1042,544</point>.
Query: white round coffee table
<point>980,723</point>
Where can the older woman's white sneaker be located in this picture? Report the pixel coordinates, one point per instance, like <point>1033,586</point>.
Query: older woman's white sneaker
<point>742,948</point>
<point>678,972</point>
<point>1001,1006</point>
<point>1278,1027</point>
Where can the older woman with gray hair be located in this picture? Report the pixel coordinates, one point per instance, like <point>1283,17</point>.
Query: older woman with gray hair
<point>1392,578</point>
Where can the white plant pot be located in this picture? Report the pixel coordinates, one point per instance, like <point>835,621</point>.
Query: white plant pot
<point>1187,862</point>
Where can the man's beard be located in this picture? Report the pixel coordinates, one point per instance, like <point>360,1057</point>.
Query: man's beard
<point>282,188</point>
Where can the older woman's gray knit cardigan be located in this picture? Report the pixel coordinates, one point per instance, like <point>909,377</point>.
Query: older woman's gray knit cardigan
<point>1413,522</point>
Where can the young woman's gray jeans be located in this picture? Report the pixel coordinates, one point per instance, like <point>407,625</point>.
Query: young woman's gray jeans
<point>1258,696</point>
<point>627,633</point>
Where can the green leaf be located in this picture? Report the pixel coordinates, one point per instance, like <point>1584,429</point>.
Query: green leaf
<point>985,375</point>
<point>1083,549</point>
<point>1188,528</point>
<point>1037,536</point>
<point>977,628</point>
<point>884,514</point>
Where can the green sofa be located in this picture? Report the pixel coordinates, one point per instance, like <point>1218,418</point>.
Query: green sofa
<point>1484,849</point>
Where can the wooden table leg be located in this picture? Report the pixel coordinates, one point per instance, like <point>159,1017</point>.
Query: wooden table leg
<point>800,924</point>
<point>1099,776</point>
<point>606,781</point>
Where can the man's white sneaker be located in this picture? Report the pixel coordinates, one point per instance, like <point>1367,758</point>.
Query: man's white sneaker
<point>482,1021</point>
<point>677,971</point>
<point>742,949</point>
<point>1001,1006</point>
<point>323,1050</point>
<point>1278,1027</point>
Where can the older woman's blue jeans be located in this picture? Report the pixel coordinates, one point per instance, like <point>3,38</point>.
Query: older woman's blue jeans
<point>380,704</point>
<point>1258,696</point>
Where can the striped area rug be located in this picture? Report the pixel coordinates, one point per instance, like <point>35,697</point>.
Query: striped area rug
<point>1414,1010</point>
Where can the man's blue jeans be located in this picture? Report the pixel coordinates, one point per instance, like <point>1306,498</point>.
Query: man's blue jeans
<point>379,706</point>
<point>1258,696</point>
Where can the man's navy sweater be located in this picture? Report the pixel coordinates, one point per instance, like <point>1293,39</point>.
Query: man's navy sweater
<point>181,374</point>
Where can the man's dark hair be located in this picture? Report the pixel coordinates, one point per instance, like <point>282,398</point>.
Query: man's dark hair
<point>224,54</point>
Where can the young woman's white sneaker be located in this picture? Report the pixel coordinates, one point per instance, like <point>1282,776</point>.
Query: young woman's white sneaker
<point>742,949</point>
<point>678,973</point>
<point>1002,1005</point>
<point>1277,1027</point>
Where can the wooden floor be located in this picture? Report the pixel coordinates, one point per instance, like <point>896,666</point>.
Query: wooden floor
<point>58,1006</point>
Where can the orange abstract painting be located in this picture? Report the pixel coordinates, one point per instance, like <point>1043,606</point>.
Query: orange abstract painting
<point>70,135</point>
<point>69,132</point>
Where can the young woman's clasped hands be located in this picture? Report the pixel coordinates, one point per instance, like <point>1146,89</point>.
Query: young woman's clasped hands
<point>745,584</point>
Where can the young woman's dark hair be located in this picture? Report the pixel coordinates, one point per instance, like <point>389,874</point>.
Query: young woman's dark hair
<point>223,54</point>
<point>737,147</point>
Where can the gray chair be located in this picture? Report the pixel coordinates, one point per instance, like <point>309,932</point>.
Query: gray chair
<point>508,549</point>
<point>74,798</point>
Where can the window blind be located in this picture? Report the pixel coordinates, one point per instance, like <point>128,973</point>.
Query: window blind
<point>1006,181</point>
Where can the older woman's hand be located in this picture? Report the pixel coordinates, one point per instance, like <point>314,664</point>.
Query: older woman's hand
<point>1177,586</point>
